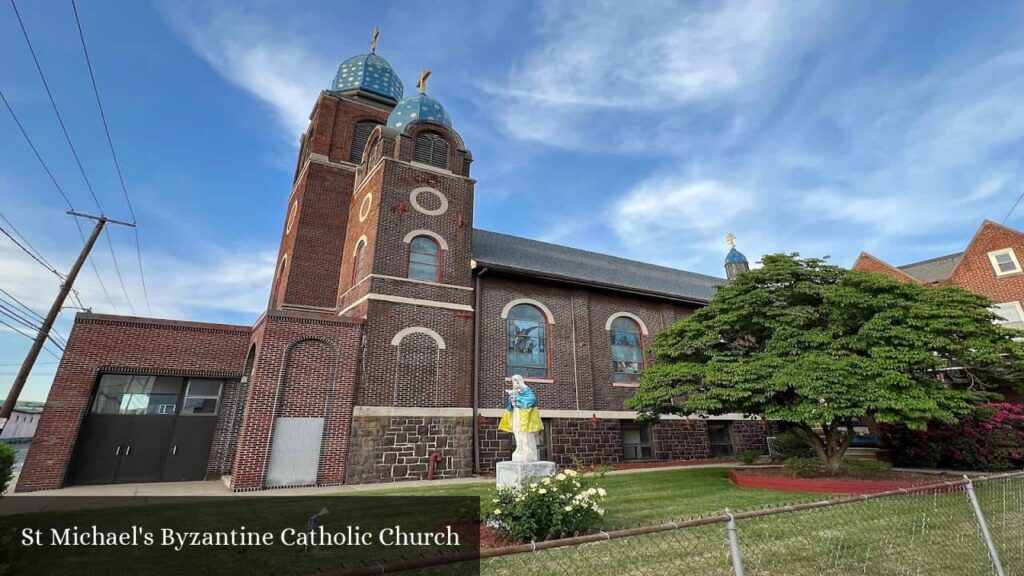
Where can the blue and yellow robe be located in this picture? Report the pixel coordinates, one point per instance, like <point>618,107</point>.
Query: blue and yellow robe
<point>529,417</point>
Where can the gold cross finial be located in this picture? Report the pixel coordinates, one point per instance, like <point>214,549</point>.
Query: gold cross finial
<point>373,40</point>
<point>730,239</point>
<point>422,84</point>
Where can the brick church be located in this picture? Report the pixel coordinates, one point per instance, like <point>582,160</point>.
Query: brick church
<point>391,330</point>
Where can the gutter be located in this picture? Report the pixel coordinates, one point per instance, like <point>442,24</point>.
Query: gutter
<point>476,369</point>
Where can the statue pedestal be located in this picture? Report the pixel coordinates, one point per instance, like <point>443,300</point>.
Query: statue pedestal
<point>516,473</point>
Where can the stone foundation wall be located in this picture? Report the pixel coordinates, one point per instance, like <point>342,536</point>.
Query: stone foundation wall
<point>585,442</point>
<point>397,448</point>
<point>680,439</point>
<point>750,435</point>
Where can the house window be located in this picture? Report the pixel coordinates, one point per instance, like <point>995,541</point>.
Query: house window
<point>359,263</point>
<point>360,135</point>
<point>431,148</point>
<point>627,353</point>
<point>527,342</point>
<point>424,259</point>
<point>1004,261</point>
<point>202,395</point>
<point>1011,314</point>
<point>636,442</point>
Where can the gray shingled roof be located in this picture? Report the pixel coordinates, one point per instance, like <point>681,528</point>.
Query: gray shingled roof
<point>530,257</point>
<point>933,269</point>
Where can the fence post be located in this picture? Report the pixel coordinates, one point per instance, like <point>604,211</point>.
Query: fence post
<point>732,531</point>
<point>993,553</point>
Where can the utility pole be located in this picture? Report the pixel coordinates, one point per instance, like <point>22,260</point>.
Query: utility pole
<point>51,316</point>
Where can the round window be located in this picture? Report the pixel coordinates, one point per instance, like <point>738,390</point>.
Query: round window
<point>428,201</point>
<point>364,208</point>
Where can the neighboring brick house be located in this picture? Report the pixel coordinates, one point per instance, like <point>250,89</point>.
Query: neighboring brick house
<point>391,330</point>
<point>990,265</point>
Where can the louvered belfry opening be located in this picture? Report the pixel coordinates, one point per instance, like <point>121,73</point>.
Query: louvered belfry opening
<point>362,134</point>
<point>431,148</point>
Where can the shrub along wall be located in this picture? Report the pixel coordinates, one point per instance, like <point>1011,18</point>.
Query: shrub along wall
<point>991,439</point>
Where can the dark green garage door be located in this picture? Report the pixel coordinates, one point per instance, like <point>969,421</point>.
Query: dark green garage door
<point>147,429</point>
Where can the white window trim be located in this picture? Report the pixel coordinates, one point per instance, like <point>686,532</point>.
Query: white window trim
<point>362,240</point>
<point>995,265</point>
<point>1015,304</point>
<point>291,216</point>
<point>437,237</point>
<point>418,330</point>
<point>547,313</point>
<point>364,207</point>
<point>633,317</point>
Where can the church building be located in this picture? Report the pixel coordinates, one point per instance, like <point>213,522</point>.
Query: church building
<point>391,332</point>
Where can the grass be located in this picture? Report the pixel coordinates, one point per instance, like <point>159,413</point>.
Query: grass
<point>933,534</point>
<point>643,498</point>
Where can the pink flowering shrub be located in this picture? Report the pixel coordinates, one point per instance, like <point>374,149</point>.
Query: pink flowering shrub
<point>990,439</point>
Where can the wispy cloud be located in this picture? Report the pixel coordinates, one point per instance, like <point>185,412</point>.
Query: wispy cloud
<point>265,56</point>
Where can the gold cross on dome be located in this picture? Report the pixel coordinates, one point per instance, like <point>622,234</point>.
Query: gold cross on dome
<point>422,84</point>
<point>730,239</point>
<point>373,40</point>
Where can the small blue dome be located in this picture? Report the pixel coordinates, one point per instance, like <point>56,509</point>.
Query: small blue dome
<point>369,73</point>
<point>419,108</point>
<point>735,257</point>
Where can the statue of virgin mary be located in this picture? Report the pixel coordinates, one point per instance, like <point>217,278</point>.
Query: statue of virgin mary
<point>522,418</point>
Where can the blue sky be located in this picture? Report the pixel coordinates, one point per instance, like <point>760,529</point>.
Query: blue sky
<point>647,130</point>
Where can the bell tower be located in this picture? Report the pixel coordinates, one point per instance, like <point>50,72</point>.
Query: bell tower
<point>362,95</point>
<point>406,267</point>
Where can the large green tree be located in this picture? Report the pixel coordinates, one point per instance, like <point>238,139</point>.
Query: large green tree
<point>822,347</point>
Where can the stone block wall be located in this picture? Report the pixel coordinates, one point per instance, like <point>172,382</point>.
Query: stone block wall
<point>680,439</point>
<point>397,448</point>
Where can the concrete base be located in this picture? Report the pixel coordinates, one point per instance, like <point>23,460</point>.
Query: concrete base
<point>516,473</point>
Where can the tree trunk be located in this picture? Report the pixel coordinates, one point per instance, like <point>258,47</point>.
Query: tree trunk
<point>830,445</point>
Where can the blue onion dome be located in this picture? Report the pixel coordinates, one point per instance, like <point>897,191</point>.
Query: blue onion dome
<point>735,256</point>
<point>419,108</point>
<point>371,74</point>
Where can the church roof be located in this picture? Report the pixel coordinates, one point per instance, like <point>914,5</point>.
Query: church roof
<point>368,73</point>
<point>541,259</point>
<point>933,269</point>
<point>734,256</point>
<point>418,108</point>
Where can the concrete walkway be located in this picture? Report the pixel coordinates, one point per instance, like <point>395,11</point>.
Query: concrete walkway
<point>219,487</point>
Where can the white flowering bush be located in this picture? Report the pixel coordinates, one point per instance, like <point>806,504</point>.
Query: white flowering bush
<point>565,504</point>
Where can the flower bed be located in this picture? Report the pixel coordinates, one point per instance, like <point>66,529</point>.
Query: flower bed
<point>781,479</point>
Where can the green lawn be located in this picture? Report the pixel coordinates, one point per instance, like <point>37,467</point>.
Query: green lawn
<point>644,498</point>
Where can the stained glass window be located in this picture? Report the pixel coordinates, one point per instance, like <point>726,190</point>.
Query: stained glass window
<point>424,257</point>
<point>627,351</point>
<point>527,342</point>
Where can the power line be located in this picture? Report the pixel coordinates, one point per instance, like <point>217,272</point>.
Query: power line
<point>113,154</point>
<point>20,303</point>
<point>37,364</point>
<point>29,252</point>
<point>71,146</point>
<point>15,316</point>
<point>25,240</point>
<point>64,195</point>
<point>29,336</point>
<point>1008,214</point>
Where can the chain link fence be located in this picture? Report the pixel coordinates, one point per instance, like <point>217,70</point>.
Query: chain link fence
<point>967,527</point>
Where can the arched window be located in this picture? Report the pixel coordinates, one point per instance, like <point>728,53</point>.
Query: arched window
<point>424,259</point>
<point>431,148</point>
<point>359,262</point>
<point>359,137</point>
<point>627,352</point>
<point>527,342</point>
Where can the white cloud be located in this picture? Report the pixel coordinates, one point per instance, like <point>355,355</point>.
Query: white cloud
<point>264,56</point>
<point>644,58</point>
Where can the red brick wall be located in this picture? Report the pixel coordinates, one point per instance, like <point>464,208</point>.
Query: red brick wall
<point>100,343</point>
<point>975,271</point>
<point>306,366</point>
<point>868,263</point>
<point>579,346</point>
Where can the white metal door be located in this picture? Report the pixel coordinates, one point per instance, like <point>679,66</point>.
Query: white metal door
<point>295,452</point>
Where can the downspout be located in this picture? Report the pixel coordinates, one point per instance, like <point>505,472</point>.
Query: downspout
<point>476,370</point>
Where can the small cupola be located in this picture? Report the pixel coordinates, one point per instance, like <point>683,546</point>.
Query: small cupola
<point>369,75</point>
<point>735,262</point>
<point>419,108</point>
